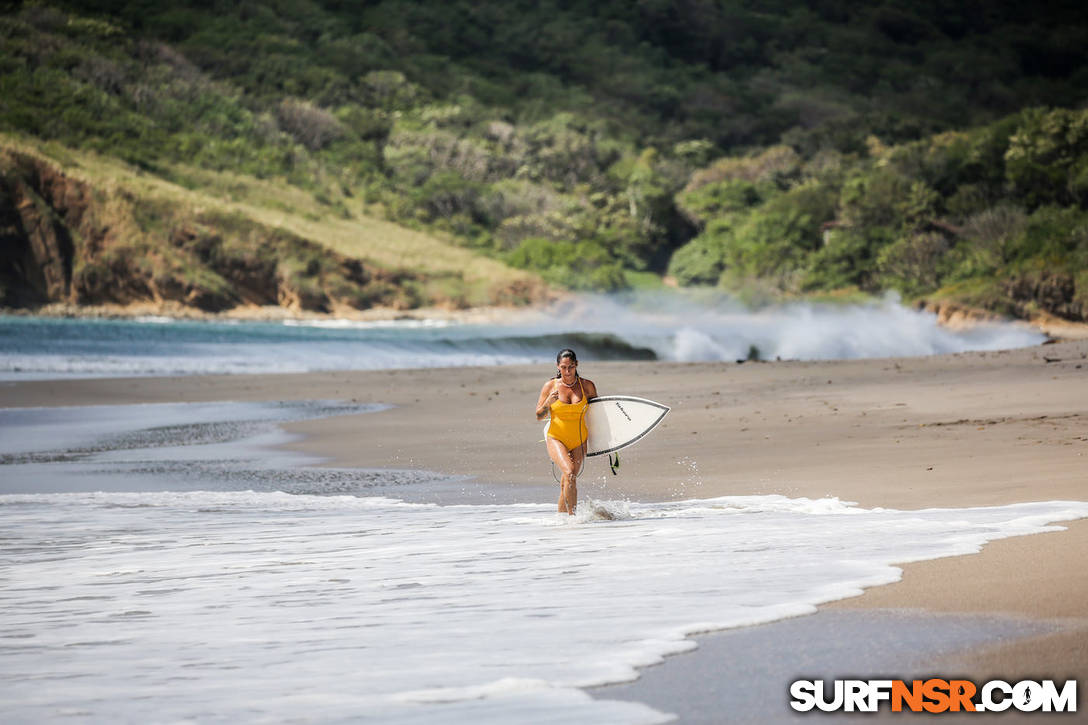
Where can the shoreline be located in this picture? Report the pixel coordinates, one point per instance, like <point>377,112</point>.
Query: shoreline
<point>953,317</point>
<point>268,313</point>
<point>949,617</point>
<point>968,429</point>
<point>828,645</point>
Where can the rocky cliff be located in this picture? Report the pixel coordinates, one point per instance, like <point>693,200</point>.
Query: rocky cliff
<point>39,208</point>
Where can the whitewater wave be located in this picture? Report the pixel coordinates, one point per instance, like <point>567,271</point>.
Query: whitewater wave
<point>645,326</point>
<point>715,328</point>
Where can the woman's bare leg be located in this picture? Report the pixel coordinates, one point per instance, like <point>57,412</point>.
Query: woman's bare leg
<point>569,463</point>
<point>577,456</point>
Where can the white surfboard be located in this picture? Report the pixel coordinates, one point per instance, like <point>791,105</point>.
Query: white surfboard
<point>617,421</point>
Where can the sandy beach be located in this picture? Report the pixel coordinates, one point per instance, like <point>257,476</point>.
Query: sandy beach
<point>971,429</point>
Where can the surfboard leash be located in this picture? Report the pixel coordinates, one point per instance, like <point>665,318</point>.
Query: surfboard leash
<point>555,475</point>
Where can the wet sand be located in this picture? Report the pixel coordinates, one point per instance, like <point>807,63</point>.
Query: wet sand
<point>973,429</point>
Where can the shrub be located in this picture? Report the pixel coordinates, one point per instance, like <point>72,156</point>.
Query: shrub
<point>1047,156</point>
<point>913,264</point>
<point>716,199</point>
<point>847,259</point>
<point>313,127</point>
<point>1053,235</point>
<point>774,165</point>
<point>700,261</point>
<point>776,237</point>
<point>446,194</point>
<point>577,265</point>
<point>992,232</point>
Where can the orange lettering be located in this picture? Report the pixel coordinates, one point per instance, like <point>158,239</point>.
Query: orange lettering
<point>935,691</point>
<point>961,693</point>
<point>912,695</point>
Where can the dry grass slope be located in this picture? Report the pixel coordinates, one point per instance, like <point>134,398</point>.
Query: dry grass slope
<point>452,275</point>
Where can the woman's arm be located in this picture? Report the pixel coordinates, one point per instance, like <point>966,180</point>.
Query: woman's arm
<point>548,394</point>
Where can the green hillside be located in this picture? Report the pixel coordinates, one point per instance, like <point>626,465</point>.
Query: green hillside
<point>933,147</point>
<point>994,217</point>
<point>85,229</point>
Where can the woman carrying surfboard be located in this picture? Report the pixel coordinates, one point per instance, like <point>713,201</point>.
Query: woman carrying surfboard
<point>565,398</point>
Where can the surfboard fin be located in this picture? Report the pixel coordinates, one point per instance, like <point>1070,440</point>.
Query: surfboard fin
<point>614,462</point>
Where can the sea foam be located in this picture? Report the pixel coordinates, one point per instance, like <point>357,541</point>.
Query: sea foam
<point>220,606</point>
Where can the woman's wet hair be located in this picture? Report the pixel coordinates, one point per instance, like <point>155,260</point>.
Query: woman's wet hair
<point>565,353</point>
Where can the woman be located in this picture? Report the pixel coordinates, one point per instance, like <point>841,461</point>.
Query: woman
<point>565,398</point>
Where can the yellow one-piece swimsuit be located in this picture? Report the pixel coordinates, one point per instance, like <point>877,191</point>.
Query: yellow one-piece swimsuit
<point>568,424</point>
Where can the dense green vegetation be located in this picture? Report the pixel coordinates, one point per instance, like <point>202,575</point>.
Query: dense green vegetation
<point>995,217</point>
<point>798,147</point>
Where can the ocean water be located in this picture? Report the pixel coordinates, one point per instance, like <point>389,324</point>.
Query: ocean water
<point>634,327</point>
<point>171,566</point>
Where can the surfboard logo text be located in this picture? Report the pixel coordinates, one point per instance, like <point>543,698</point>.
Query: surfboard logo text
<point>933,696</point>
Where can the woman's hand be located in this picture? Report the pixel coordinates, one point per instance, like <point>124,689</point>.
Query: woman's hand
<point>546,401</point>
